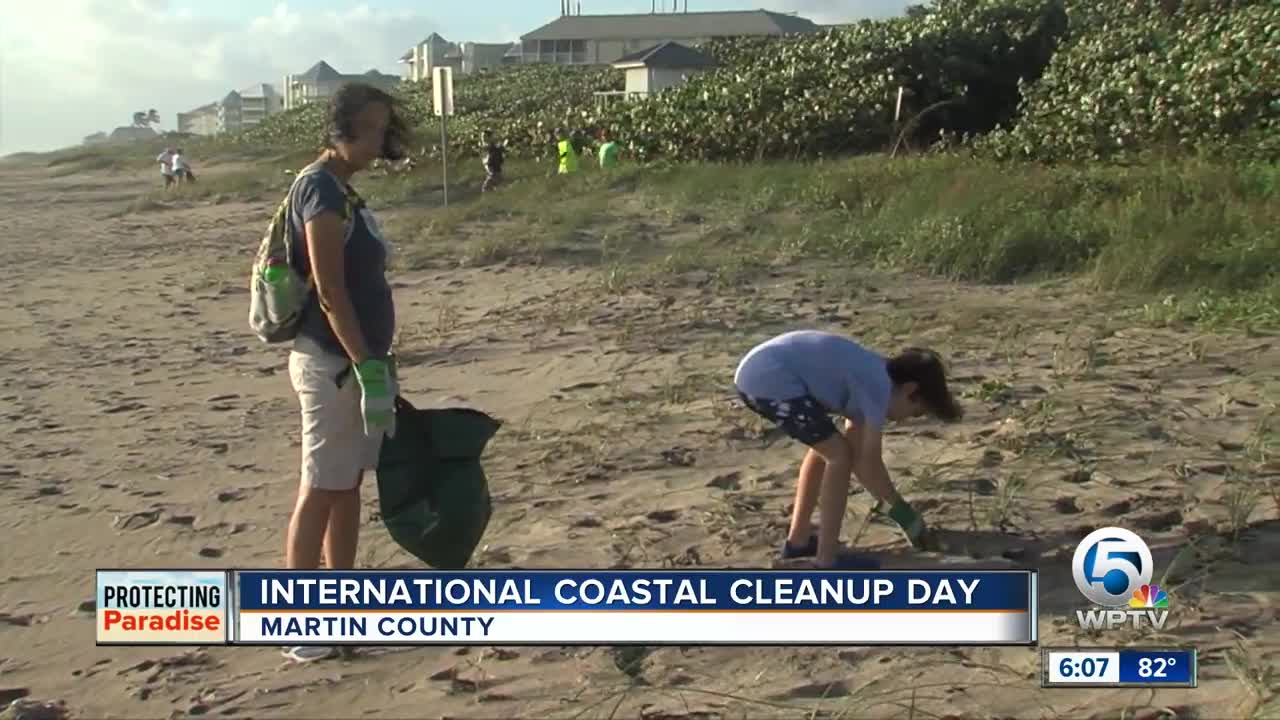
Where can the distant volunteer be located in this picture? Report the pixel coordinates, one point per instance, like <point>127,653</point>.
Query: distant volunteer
<point>166,167</point>
<point>566,152</point>
<point>179,167</point>
<point>341,365</point>
<point>608,156</point>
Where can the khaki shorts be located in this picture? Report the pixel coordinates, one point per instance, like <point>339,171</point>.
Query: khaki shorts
<point>335,450</point>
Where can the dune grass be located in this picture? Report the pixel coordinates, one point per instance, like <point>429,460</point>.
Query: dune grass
<point>1194,238</point>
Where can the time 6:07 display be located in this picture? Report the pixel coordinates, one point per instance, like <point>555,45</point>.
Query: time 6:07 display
<point>1084,667</point>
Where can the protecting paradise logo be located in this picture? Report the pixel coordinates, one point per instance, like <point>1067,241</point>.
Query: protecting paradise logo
<point>1149,596</point>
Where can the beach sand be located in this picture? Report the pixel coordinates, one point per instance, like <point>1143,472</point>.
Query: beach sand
<point>145,427</point>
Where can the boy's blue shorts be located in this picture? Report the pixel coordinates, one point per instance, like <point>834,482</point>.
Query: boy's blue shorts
<point>803,418</point>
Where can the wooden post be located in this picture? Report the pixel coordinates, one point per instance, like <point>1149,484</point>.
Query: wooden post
<point>444,155</point>
<point>442,99</point>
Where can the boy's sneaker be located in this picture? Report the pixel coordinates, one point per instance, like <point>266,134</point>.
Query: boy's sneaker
<point>809,549</point>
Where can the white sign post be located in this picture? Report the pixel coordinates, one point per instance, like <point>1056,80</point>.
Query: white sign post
<point>442,94</point>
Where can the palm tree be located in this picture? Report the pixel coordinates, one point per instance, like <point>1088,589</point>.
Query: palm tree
<point>146,119</point>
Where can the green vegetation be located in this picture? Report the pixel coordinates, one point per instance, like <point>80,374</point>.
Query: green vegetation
<point>1040,79</point>
<point>1207,233</point>
<point>1134,141</point>
<point>523,105</point>
<point>1174,75</point>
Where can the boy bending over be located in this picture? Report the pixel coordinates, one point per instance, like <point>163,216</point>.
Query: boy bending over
<point>798,380</point>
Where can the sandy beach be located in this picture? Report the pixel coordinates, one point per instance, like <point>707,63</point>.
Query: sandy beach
<point>146,427</point>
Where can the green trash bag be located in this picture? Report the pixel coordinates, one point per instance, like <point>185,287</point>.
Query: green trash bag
<point>432,491</point>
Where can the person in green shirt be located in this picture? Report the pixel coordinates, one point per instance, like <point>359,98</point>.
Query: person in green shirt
<point>567,153</point>
<point>608,150</point>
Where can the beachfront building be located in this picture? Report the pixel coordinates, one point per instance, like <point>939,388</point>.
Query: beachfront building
<point>203,120</point>
<point>321,81</point>
<point>245,108</point>
<point>655,69</point>
<point>606,39</point>
<point>465,58</point>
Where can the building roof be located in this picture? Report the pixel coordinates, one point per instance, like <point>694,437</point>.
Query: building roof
<point>666,55</point>
<point>373,76</point>
<point>207,107</point>
<point>671,25</point>
<point>257,90</point>
<point>232,98</point>
<point>432,39</point>
<point>320,72</point>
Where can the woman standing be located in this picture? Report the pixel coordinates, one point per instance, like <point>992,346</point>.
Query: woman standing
<point>341,365</point>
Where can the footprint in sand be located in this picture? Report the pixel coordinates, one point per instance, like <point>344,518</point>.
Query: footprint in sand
<point>663,516</point>
<point>728,481</point>
<point>1066,506</point>
<point>680,457</point>
<point>815,691</point>
<point>1117,509</point>
<point>137,520</point>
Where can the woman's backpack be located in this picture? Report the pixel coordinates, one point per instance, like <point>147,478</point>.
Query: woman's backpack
<point>278,291</point>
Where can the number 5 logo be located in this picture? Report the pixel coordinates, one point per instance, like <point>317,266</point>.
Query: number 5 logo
<point>1109,565</point>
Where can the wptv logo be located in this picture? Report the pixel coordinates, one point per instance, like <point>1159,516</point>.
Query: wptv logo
<point>1112,568</point>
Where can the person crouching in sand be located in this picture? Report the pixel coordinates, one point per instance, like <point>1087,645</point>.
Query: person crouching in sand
<point>797,381</point>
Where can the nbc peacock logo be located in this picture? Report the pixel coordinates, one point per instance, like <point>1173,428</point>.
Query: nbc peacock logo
<point>1149,596</point>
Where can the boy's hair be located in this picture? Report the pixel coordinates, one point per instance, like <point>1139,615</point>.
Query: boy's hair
<point>925,368</point>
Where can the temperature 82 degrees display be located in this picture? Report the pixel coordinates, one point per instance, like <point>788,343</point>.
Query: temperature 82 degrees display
<point>1122,667</point>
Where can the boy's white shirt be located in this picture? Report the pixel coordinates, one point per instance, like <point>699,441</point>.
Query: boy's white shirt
<point>178,162</point>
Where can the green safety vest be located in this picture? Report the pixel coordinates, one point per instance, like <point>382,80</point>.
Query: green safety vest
<point>568,158</point>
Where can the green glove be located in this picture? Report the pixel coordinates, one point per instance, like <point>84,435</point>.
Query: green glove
<point>377,396</point>
<point>913,526</point>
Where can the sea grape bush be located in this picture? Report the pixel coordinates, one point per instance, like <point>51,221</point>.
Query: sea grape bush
<point>1051,80</point>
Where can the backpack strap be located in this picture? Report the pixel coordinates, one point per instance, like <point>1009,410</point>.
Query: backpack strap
<point>353,205</point>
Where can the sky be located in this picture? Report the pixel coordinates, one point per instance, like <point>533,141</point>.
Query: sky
<point>70,68</point>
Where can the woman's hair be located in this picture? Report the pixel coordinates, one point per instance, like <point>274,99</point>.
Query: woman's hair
<point>349,101</point>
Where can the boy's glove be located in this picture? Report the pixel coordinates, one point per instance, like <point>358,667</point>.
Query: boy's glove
<point>377,396</point>
<point>913,526</point>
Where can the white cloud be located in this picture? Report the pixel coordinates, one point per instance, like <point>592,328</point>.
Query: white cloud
<point>69,68</point>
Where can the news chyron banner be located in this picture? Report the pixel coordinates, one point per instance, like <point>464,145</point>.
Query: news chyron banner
<point>163,607</point>
<point>573,607</point>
